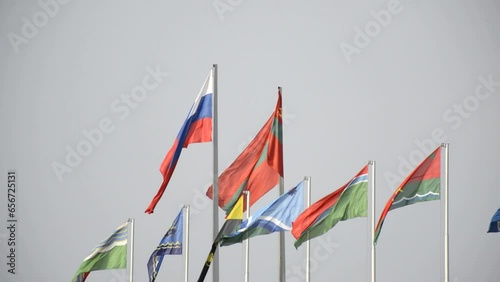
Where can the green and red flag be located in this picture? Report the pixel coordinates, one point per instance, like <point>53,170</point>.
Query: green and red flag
<point>258,168</point>
<point>423,184</point>
<point>347,202</point>
<point>315,212</point>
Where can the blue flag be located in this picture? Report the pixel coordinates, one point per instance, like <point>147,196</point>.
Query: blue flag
<point>171,244</point>
<point>495,222</point>
<point>276,217</point>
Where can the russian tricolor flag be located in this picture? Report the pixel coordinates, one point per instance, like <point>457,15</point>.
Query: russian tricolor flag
<point>196,129</point>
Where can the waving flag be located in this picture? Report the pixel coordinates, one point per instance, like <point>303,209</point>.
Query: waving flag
<point>170,244</point>
<point>423,184</point>
<point>349,201</point>
<point>495,222</point>
<point>109,254</point>
<point>315,213</point>
<point>258,168</point>
<point>196,129</point>
<point>275,217</point>
<point>233,221</point>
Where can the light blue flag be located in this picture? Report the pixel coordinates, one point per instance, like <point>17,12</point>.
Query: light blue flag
<point>276,217</point>
<point>171,244</point>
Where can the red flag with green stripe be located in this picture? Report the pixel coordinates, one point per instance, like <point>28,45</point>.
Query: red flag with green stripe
<point>257,168</point>
<point>423,184</point>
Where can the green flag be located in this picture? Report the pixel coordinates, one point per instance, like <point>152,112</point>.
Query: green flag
<point>109,254</point>
<point>353,202</point>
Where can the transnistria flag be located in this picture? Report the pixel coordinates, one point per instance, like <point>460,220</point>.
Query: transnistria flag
<point>495,222</point>
<point>197,128</point>
<point>275,217</point>
<point>423,184</point>
<point>109,254</point>
<point>258,168</point>
<point>170,244</point>
<point>347,202</point>
<point>232,223</point>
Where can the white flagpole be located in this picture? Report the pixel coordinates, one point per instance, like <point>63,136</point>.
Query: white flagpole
<point>373,253</point>
<point>186,243</point>
<point>308,242</point>
<point>446,235</point>
<point>282,254</point>
<point>215,185</point>
<point>282,266</point>
<point>247,241</point>
<point>131,265</point>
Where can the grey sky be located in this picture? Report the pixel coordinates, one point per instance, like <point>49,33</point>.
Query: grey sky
<point>348,98</point>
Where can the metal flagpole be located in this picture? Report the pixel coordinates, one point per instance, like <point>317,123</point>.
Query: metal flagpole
<point>131,265</point>
<point>446,235</point>
<point>282,275</point>
<point>373,253</point>
<point>186,243</point>
<point>308,242</point>
<point>247,241</point>
<point>282,269</point>
<point>215,185</point>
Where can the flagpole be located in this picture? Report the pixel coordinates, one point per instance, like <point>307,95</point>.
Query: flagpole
<point>186,244</point>
<point>372,229</point>
<point>247,241</point>
<point>282,269</point>
<point>446,230</point>
<point>215,185</point>
<point>131,265</point>
<point>308,242</point>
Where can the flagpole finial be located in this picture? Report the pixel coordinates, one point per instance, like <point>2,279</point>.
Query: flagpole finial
<point>214,65</point>
<point>445,145</point>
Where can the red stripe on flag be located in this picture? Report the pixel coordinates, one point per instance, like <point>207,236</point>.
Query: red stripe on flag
<point>199,132</point>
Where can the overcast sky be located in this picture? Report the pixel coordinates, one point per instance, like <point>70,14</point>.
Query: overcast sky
<point>382,80</point>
